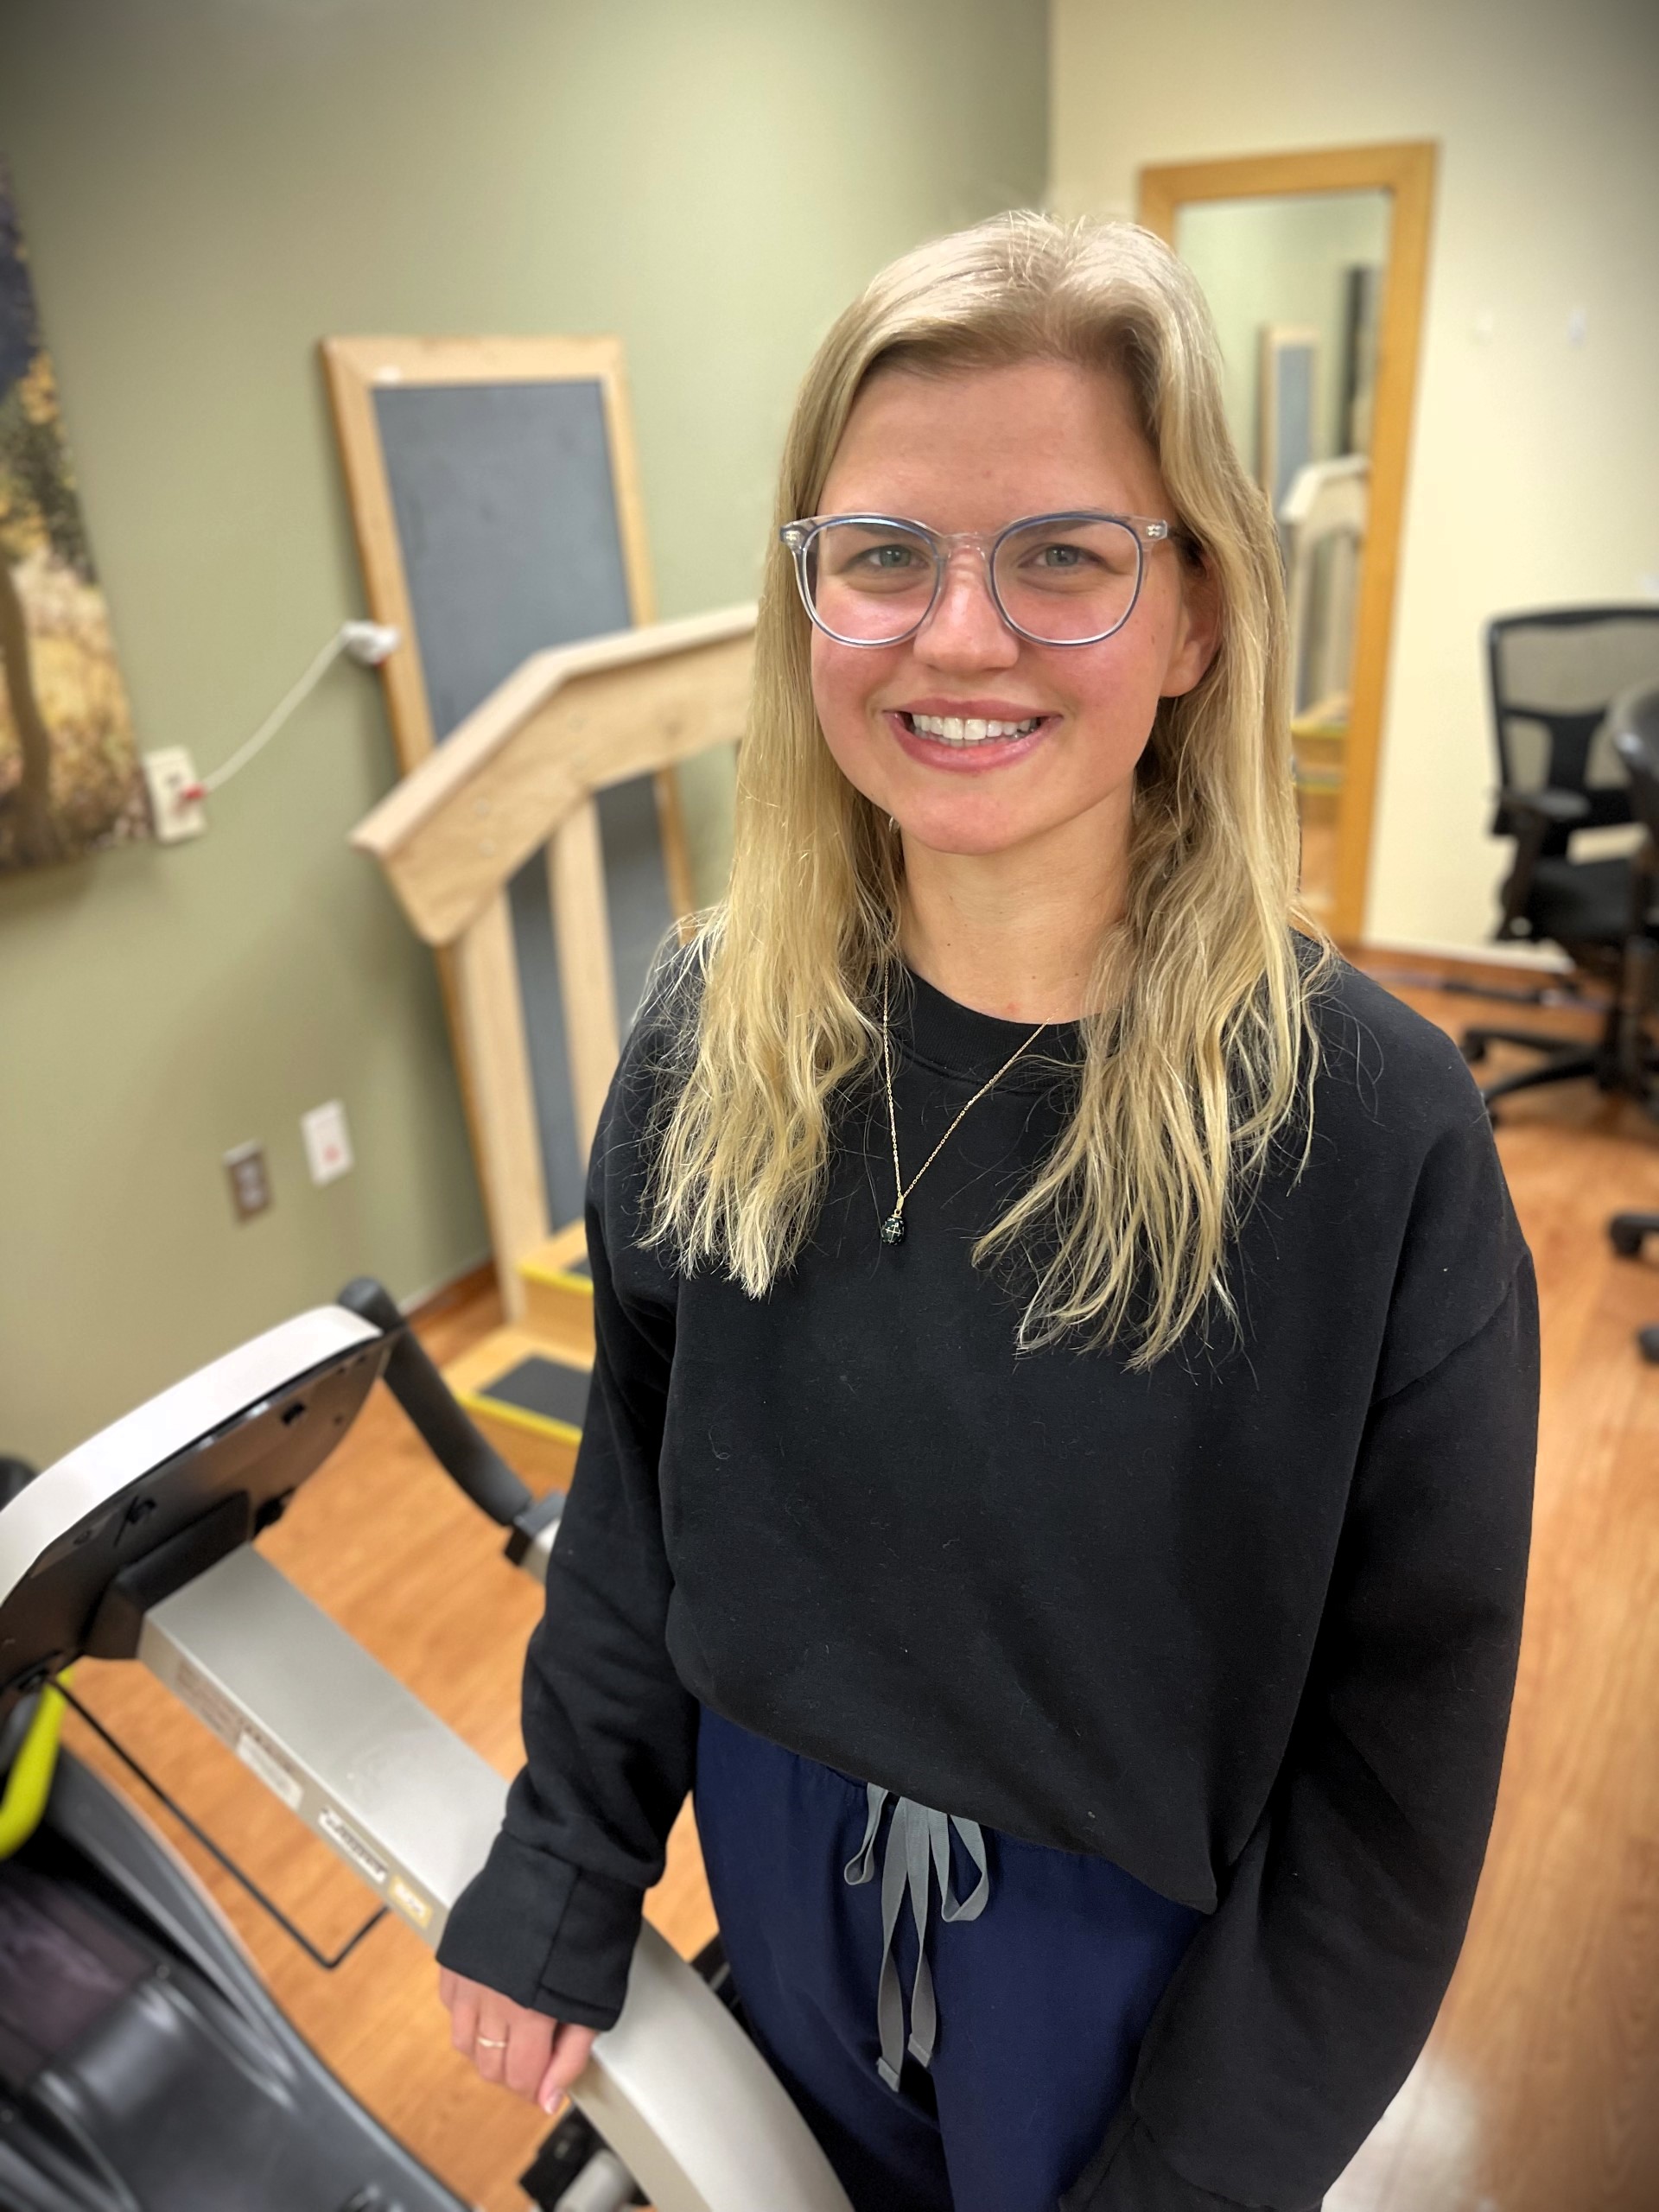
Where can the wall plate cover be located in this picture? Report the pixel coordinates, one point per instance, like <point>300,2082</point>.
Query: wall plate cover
<point>250,1180</point>
<point>328,1141</point>
<point>168,775</point>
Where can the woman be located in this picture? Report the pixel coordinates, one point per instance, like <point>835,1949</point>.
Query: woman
<point>1063,1411</point>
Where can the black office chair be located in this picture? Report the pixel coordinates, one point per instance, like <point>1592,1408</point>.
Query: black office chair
<point>1633,725</point>
<point>1553,675</point>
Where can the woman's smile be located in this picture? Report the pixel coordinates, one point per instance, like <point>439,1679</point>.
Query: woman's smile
<point>967,736</point>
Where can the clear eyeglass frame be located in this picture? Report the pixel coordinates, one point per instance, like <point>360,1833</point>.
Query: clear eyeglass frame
<point>798,537</point>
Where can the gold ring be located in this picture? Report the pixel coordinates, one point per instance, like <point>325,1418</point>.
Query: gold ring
<point>488,2042</point>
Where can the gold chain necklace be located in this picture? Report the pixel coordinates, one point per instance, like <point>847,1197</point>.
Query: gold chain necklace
<point>893,1229</point>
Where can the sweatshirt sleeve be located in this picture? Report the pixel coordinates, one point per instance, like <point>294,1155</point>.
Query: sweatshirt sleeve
<point>609,1731</point>
<point>1304,2000</point>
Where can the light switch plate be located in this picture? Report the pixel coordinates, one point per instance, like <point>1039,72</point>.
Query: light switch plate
<point>328,1141</point>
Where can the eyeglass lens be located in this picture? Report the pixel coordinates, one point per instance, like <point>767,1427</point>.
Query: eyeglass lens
<point>1062,582</point>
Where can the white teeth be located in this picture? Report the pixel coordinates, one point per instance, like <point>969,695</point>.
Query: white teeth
<point>957,729</point>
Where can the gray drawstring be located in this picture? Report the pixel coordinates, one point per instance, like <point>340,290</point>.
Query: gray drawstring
<point>918,1845</point>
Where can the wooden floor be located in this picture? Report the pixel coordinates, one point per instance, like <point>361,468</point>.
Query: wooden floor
<point>1540,2090</point>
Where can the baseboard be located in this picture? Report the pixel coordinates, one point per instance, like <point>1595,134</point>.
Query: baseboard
<point>1537,980</point>
<point>1462,960</point>
<point>455,1290</point>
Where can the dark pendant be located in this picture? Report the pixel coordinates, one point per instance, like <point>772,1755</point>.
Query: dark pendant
<point>893,1229</point>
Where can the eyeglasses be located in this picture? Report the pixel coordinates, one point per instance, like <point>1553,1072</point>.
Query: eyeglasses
<point>1059,580</point>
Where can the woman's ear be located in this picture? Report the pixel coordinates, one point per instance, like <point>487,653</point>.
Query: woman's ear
<point>1197,626</point>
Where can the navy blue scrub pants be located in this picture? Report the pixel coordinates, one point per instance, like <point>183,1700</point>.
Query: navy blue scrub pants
<point>1042,1998</point>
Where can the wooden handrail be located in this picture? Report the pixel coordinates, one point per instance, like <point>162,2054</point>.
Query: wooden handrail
<point>567,723</point>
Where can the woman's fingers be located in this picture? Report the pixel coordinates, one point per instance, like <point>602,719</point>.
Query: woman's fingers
<point>571,2047</point>
<point>461,1997</point>
<point>494,2038</point>
<point>524,2051</point>
<point>530,2041</point>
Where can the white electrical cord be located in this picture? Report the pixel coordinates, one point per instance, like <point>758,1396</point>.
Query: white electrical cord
<point>368,643</point>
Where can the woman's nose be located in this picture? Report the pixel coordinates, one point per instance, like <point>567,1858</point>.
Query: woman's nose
<point>965,629</point>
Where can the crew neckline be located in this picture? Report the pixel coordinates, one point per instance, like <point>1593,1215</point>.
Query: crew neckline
<point>954,1040</point>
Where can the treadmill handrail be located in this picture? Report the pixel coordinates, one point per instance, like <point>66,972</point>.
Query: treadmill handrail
<point>459,1448</point>
<point>676,2088</point>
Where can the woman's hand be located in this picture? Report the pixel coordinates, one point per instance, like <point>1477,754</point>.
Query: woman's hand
<point>524,2051</point>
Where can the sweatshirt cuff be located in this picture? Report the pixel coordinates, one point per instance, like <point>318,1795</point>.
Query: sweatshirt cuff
<point>1129,2174</point>
<point>546,1934</point>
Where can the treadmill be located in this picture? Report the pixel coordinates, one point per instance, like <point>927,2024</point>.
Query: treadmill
<point>143,2067</point>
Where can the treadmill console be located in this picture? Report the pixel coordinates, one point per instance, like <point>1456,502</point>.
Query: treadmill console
<point>161,1493</point>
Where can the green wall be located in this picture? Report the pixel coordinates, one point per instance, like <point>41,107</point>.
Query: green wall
<point>206,187</point>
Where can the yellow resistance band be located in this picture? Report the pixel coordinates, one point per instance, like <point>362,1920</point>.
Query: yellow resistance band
<point>29,1783</point>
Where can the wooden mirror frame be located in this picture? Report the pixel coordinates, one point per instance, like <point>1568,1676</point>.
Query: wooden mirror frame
<point>1405,170</point>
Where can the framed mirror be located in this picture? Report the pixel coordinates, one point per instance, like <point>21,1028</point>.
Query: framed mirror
<point>1314,266</point>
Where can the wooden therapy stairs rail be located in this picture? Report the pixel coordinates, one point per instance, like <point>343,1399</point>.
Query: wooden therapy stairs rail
<point>521,774</point>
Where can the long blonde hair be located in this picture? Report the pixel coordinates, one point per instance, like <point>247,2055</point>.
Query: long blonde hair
<point>1201,1050</point>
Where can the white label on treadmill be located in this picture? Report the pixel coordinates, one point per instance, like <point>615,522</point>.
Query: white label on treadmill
<point>411,1902</point>
<point>253,1752</point>
<point>352,1844</point>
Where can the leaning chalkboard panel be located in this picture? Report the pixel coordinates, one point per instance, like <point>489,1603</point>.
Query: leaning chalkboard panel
<point>494,493</point>
<point>361,372</point>
<point>506,518</point>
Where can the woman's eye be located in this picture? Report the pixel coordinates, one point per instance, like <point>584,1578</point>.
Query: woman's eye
<point>887,558</point>
<point>1102,555</point>
<point>1061,559</point>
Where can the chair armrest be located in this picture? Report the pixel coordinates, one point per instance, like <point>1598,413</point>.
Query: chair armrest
<point>1529,816</point>
<point>1550,807</point>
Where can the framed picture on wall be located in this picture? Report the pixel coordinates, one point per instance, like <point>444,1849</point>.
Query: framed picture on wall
<point>70,781</point>
<point>1289,400</point>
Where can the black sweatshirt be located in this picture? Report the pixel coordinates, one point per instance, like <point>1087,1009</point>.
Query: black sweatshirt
<point>1245,1624</point>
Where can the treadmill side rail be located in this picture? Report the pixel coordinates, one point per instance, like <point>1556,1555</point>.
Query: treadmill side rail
<point>345,1746</point>
<point>690,2105</point>
<point>676,2087</point>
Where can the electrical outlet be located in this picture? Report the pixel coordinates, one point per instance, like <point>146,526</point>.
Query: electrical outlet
<point>175,807</point>
<point>328,1141</point>
<point>250,1180</point>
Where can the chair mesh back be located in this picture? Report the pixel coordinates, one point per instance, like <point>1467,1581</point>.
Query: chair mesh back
<point>1553,675</point>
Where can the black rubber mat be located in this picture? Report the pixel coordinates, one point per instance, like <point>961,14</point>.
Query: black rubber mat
<point>544,1386</point>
